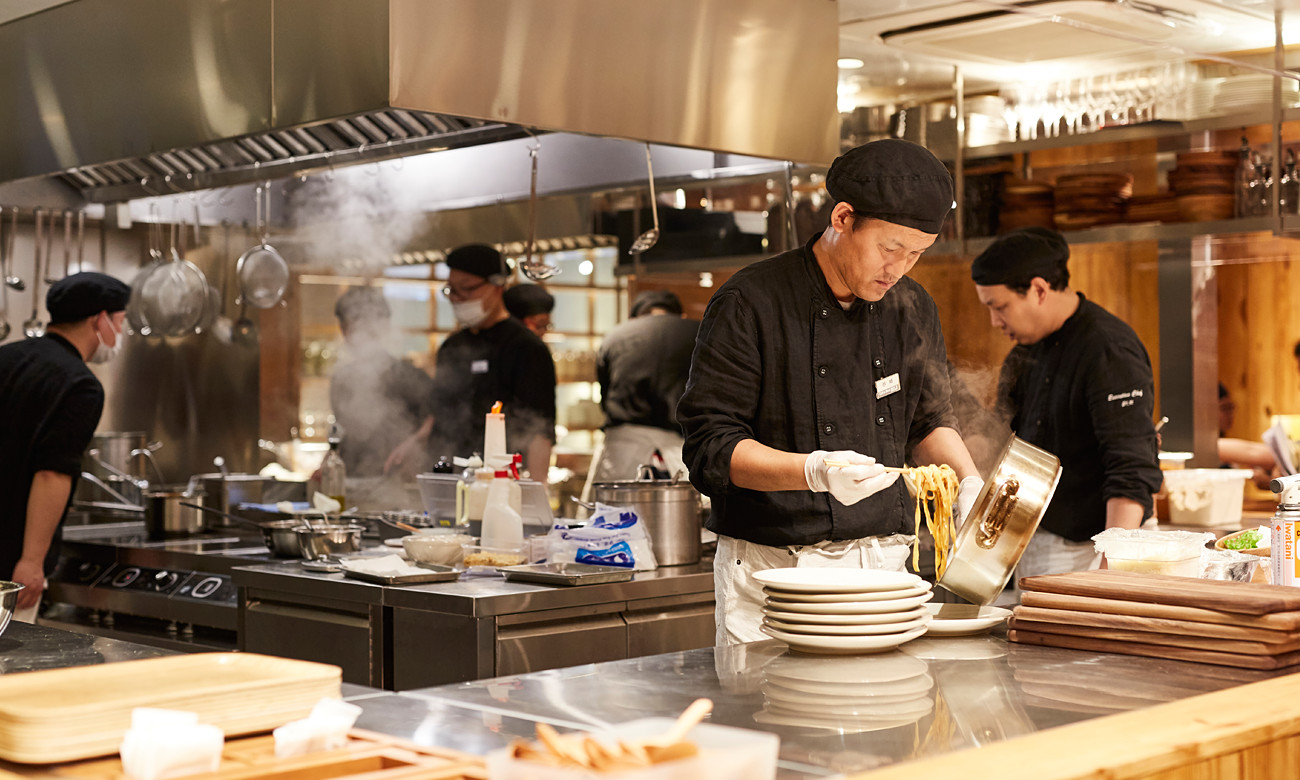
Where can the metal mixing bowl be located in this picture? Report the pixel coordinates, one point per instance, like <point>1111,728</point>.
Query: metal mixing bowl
<point>8,601</point>
<point>281,537</point>
<point>329,540</point>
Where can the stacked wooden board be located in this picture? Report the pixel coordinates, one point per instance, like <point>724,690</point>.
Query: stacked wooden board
<point>1241,624</point>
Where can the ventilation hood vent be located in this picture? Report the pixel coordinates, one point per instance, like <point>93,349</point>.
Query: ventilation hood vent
<point>1088,33</point>
<point>135,98</point>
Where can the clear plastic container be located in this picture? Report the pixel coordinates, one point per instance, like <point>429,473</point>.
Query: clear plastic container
<point>1206,497</point>
<point>1176,553</point>
<point>726,753</point>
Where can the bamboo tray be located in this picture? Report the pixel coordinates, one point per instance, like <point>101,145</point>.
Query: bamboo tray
<point>82,712</point>
<point>367,754</point>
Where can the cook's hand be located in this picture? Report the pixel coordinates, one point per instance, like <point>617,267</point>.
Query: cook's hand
<point>966,494</point>
<point>848,484</point>
<point>401,454</point>
<point>32,575</point>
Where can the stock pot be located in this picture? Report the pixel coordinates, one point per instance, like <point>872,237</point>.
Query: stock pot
<point>1004,518</point>
<point>670,509</point>
<point>166,514</point>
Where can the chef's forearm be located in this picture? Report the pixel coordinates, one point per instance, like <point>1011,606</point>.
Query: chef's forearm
<point>944,445</point>
<point>1123,513</point>
<point>756,466</point>
<point>45,504</point>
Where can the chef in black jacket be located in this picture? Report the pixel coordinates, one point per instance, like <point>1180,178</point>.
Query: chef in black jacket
<point>1078,383</point>
<point>52,403</point>
<point>825,353</point>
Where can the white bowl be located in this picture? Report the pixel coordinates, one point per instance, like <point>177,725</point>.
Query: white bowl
<point>442,549</point>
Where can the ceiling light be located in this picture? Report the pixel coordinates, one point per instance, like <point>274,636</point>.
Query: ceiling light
<point>849,63</point>
<point>586,267</point>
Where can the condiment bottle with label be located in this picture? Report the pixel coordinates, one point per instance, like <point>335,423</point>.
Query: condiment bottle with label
<point>1286,565</point>
<point>503,526</point>
<point>333,473</point>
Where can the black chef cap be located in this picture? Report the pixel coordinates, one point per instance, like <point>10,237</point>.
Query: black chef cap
<point>84,294</point>
<point>525,300</point>
<point>481,260</point>
<point>894,180</point>
<point>1016,258</point>
<point>662,299</point>
<point>361,304</point>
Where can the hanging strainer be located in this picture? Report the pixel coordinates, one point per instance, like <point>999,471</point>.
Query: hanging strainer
<point>263,273</point>
<point>173,297</point>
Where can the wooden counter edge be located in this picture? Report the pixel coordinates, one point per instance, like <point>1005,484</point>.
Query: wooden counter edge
<point>1250,732</point>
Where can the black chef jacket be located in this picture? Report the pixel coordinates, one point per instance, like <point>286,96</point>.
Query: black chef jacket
<point>506,362</point>
<point>778,360</point>
<point>378,401</point>
<point>1086,394</point>
<point>51,404</point>
<point>642,369</point>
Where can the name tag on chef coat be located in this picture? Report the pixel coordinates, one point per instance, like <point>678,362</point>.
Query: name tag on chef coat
<point>481,367</point>
<point>888,386</point>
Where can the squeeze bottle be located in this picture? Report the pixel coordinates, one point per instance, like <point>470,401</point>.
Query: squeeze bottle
<point>503,526</point>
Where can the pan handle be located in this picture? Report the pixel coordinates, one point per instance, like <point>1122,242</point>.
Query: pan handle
<point>1004,503</point>
<point>226,515</point>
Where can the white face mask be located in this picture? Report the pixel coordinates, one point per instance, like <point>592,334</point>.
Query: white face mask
<point>469,313</point>
<point>103,352</point>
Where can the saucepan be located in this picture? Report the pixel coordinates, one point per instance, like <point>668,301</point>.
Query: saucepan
<point>280,536</point>
<point>326,541</point>
<point>1004,518</point>
<point>169,513</point>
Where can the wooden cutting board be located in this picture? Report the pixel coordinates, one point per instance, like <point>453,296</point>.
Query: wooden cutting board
<point>1286,639</point>
<point>367,754</point>
<point>1277,621</point>
<point>1157,638</point>
<point>1250,598</point>
<point>1269,662</point>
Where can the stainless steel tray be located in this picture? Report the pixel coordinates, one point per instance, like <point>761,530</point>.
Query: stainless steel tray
<point>435,573</point>
<point>566,573</point>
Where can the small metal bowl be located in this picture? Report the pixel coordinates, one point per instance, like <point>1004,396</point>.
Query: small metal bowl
<point>8,602</point>
<point>324,541</point>
<point>281,537</point>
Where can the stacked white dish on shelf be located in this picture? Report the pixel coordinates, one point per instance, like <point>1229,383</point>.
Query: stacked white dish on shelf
<point>843,611</point>
<point>1252,92</point>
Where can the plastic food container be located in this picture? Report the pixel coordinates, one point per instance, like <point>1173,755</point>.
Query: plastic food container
<point>442,549</point>
<point>1176,553</point>
<point>726,753</point>
<point>490,558</point>
<point>1206,497</point>
<point>1229,565</point>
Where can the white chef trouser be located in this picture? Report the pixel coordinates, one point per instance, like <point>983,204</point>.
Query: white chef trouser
<point>629,446</point>
<point>739,597</point>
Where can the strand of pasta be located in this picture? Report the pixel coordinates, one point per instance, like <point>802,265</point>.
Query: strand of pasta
<point>937,483</point>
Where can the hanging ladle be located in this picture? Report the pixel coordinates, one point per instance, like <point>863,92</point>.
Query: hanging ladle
<point>538,269</point>
<point>4,290</point>
<point>33,328</point>
<point>651,236</point>
<point>12,281</point>
<point>49,248</point>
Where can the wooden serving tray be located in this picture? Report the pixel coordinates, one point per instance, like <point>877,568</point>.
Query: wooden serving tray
<point>367,755</point>
<point>1275,621</point>
<point>1240,661</point>
<point>1249,598</point>
<point>1240,646</point>
<point>1286,640</point>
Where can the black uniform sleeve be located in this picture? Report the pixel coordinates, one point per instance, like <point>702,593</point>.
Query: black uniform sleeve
<point>63,437</point>
<point>722,392</point>
<point>1121,402</point>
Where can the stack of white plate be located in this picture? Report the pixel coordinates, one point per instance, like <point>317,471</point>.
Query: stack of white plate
<point>1252,92</point>
<point>846,695</point>
<point>843,611</point>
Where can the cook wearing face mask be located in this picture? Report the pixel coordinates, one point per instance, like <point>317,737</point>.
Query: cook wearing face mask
<point>493,357</point>
<point>52,404</point>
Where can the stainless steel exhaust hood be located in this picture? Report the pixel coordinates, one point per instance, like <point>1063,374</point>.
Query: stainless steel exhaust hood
<point>132,98</point>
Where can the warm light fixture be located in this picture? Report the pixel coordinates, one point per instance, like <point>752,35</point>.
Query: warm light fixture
<point>706,279</point>
<point>586,267</point>
<point>849,63</point>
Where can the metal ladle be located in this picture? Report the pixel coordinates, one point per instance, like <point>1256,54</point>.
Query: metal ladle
<point>12,281</point>
<point>4,289</point>
<point>49,248</point>
<point>33,327</point>
<point>538,269</point>
<point>651,236</point>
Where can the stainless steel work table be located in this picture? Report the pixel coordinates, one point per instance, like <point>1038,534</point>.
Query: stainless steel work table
<point>403,637</point>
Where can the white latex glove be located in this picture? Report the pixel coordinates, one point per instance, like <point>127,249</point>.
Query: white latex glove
<point>848,484</point>
<point>966,494</point>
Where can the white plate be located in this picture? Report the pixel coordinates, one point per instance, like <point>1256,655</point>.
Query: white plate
<point>876,595</point>
<point>964,619</point>
<point>841,645</point>
<point>843,620</point>
<point>814,580</point>
<point>876,670</point>
<point>878,629</point>
<point>850,607</point>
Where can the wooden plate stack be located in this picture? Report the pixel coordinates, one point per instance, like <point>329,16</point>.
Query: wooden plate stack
<point>70,714</point>
<point>1085,200</point>
<point>1246,625</point>
<point>1025,204</point>
<point>1205,185</point>
<point>1161,207</point>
